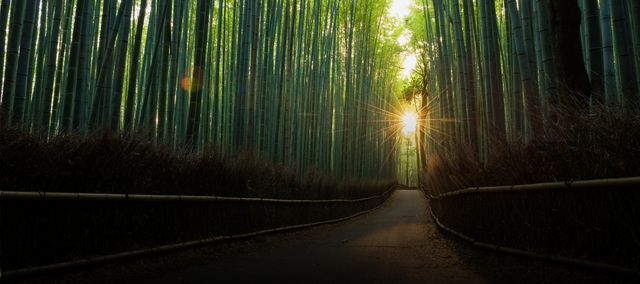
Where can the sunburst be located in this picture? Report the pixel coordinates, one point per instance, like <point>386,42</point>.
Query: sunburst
<point>409,123</point>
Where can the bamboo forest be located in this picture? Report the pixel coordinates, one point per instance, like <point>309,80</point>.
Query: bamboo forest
<point>131,128</point>
<point>292,80</point>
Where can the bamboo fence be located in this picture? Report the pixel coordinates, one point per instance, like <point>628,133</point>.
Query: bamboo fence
<point>632,183</point>
<point>65,196</point>
<point>530,254</point>
<point>583,184</point>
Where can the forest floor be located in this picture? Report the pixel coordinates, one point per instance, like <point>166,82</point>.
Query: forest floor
<point>398,243</point>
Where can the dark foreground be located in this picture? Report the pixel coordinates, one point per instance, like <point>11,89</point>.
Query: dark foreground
<point>398,243</point>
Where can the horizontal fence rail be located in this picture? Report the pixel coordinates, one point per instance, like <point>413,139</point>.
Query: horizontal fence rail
<point>528,219</point>
<point>266,212</point>
<point>165,248</point>
<point>596,183</point>
<point>67,196</point>
<point>541,256</point>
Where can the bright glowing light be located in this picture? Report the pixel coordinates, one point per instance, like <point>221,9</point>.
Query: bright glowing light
<point>409,63</point>
<point>409,123</point>
<point>399,8</point>
<point>404,37</point>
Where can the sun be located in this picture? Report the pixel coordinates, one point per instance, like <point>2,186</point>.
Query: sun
<point>409,123</point>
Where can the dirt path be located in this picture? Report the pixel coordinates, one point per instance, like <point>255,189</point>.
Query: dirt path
<point>398,243</point>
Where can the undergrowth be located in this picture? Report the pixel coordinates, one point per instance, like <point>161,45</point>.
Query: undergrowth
<point>597,224</point>
<point>602,144</point>
<point>126,163</point>
<point>35,232</point>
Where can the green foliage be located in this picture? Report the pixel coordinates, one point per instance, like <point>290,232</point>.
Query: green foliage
<point>513,69</point>
<point>302,83</point>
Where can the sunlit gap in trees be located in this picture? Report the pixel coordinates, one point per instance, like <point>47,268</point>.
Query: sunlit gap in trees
<point>408,57</point>
<point>409,123</point>
<point>406,122</point>
<point>400,9</point>
<point>400,122</point>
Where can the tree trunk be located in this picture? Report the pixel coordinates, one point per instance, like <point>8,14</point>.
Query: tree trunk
<point>624,57</point>
<point>133,69</point>
<point>567,52</point>
<point>24,61</point>
<point>13,51</point>
<point>596,70</point>
<point>530,86</point>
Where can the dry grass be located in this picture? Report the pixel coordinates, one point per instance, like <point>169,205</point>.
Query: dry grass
<point>40,232</point>
<point>126,163</point>
<point>599,224</point>
<point>603,144</point>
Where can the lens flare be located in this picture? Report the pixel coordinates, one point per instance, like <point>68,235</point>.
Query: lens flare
<point>192,79</point>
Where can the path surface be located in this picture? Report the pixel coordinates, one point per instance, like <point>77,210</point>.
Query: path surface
<point>398,243</point>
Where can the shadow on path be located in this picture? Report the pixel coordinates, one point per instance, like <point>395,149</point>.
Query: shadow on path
<point>398,243</point>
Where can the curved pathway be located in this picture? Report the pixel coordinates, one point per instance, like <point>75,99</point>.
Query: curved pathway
<point>398,243</point>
